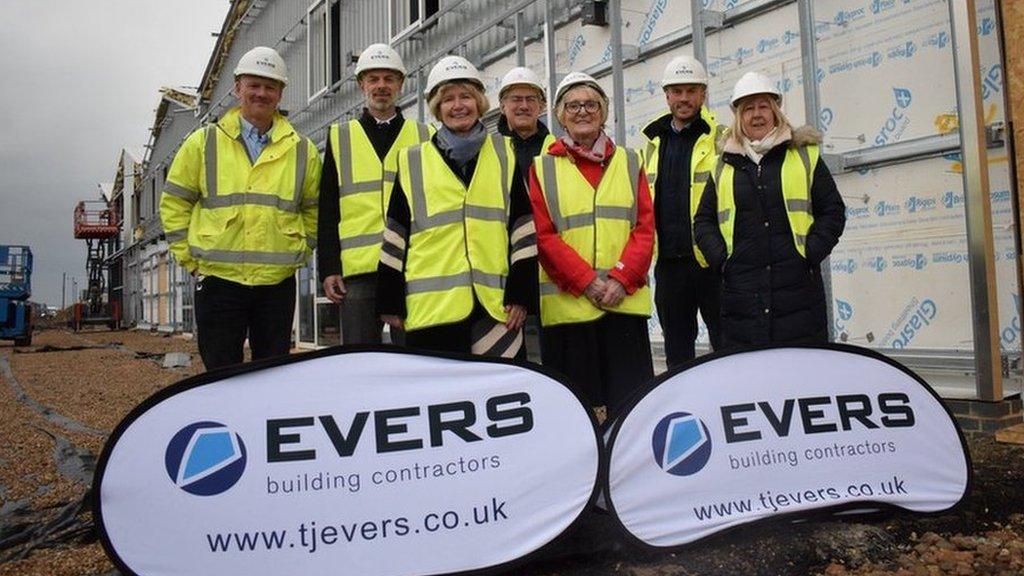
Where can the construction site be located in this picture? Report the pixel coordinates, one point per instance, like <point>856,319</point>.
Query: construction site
<point>918,101</point>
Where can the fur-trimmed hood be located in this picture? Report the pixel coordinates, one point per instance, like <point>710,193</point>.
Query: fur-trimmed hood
<point>797,138</point>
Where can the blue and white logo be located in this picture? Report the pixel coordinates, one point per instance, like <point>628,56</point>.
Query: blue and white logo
<point>205,458</point>
<point>681,443</point>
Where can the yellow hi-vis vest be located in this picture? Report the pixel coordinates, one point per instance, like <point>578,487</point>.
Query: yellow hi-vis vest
<point>248,222</point>
<point>364,190</point>
<point>797,179</point>
<point>458,237</point>
<point>702,162</point>
<point>596,224</point>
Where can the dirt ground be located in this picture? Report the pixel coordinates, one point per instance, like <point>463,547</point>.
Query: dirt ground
<point>60,398</point>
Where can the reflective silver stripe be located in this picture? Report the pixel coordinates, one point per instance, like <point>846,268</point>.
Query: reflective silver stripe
<point>424,131</point>
<point>577,221</point>
<point>551,193</point>
<point>482,213</point>
<point>301,158</point>
<point>633,170</point>
<point>523,229</point>
<point>489,280</point>
<point>249,199</point>
<point>615,212</point>
<point>176,235</point>
<point>249,257</point>
<point>723,215</point>
<point>702,176</point>
<point>438,283</point>
<point>210,157</point>
<point>801,240</point>
<point>798,205</point>
<point>523,253</point>
<point>390,175</point>
<point>498,143</point>
<point>395,227</point>
<point>718,171</point>
<point>360,241</point>
<point>344,155</point>
<point>805,157</point>
<point>359,188</point>
<point>548,289</point>
<point>180,192</point>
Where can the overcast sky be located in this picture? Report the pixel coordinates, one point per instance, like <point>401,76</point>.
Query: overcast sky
<point>80,81</point>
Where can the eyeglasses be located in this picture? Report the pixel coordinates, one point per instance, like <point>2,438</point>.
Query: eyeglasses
<point>522,99</point>
<point>590,106</point>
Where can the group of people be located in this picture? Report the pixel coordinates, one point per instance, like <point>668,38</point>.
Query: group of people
<point>455,236</point>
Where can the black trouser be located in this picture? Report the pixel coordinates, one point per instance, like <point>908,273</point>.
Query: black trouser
<point>227,311</point>
<point>681,288</point>
<point>608,359</point>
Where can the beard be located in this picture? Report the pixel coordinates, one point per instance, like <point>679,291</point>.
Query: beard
<point>381,105</point>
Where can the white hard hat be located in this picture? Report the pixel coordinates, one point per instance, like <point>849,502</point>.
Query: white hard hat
<point>573,79</point>
<point>520,76</point>
<point>684,70</point>
<point>264,62</point>
<point>754,83</point>
<point>450,69</point>
<point>379,57</point>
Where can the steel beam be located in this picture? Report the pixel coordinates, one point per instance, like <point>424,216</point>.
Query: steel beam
<point>700,47</point>
<point>552,63</point>
<point>977,202</point>
<point>520,31</point>
<point>618,88</point>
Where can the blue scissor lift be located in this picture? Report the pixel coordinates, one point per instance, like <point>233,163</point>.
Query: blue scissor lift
<point>15,290</point>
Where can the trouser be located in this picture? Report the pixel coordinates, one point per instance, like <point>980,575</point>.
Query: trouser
<point>360,323</point>
<point>608,359</point>
<point>227,312</point>
<point>682,288</point>
<point>479,334</point>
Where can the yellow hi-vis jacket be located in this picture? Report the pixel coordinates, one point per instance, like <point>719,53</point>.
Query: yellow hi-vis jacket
<point>594,223</point>
<point>458,237</point>
<point>797,179</point>
<point>702,162</point>
<point>225,216</point>
<point>364,190</point>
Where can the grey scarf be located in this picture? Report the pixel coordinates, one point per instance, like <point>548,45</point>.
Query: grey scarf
<point>462,149</point>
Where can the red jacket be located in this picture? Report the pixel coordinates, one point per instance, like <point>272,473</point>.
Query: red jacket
<point>571,272</point>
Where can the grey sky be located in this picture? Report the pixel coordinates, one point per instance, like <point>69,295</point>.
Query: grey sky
<point>80,81</point>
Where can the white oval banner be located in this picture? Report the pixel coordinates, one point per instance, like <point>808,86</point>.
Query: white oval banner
<point>353,461</point>
<point>737,438</point>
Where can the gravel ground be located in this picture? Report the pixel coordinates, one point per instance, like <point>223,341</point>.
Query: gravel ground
<point>69,390</point>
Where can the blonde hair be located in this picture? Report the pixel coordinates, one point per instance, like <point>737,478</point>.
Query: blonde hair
<point>601,99</point>
<point>482,103</point>
<point>736,131</point>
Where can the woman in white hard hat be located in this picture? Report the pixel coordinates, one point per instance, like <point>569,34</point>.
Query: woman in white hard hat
<point>595,237</point>
<point>768,218</point>
<point>458,261</point>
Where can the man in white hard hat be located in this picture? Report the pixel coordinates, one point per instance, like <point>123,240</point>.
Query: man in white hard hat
<point>359,169</point>
<point>522,100</point>
<point>239,209</point>
<point>680,157</point>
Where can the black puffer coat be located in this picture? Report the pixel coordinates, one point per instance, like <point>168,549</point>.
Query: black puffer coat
<point>770,294</point>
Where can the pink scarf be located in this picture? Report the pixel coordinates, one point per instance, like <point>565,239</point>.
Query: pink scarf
<point>595,154</point>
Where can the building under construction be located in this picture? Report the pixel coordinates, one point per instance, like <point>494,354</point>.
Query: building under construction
<point>914,97</point>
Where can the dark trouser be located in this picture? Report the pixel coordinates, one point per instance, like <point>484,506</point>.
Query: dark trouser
<point>227,311</point>
<point>360,323</point>
<point>607,360</point>
<point>479,329</point>
<point>681,288</point>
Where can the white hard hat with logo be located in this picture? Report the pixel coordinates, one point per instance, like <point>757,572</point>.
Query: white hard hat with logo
<point>263,62</point>
<point>379,57</point>
<point>520,76</point>
<point>451,69</point>
<point>573,79</point>
<point>754,83</point>
<point>684,70</point>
